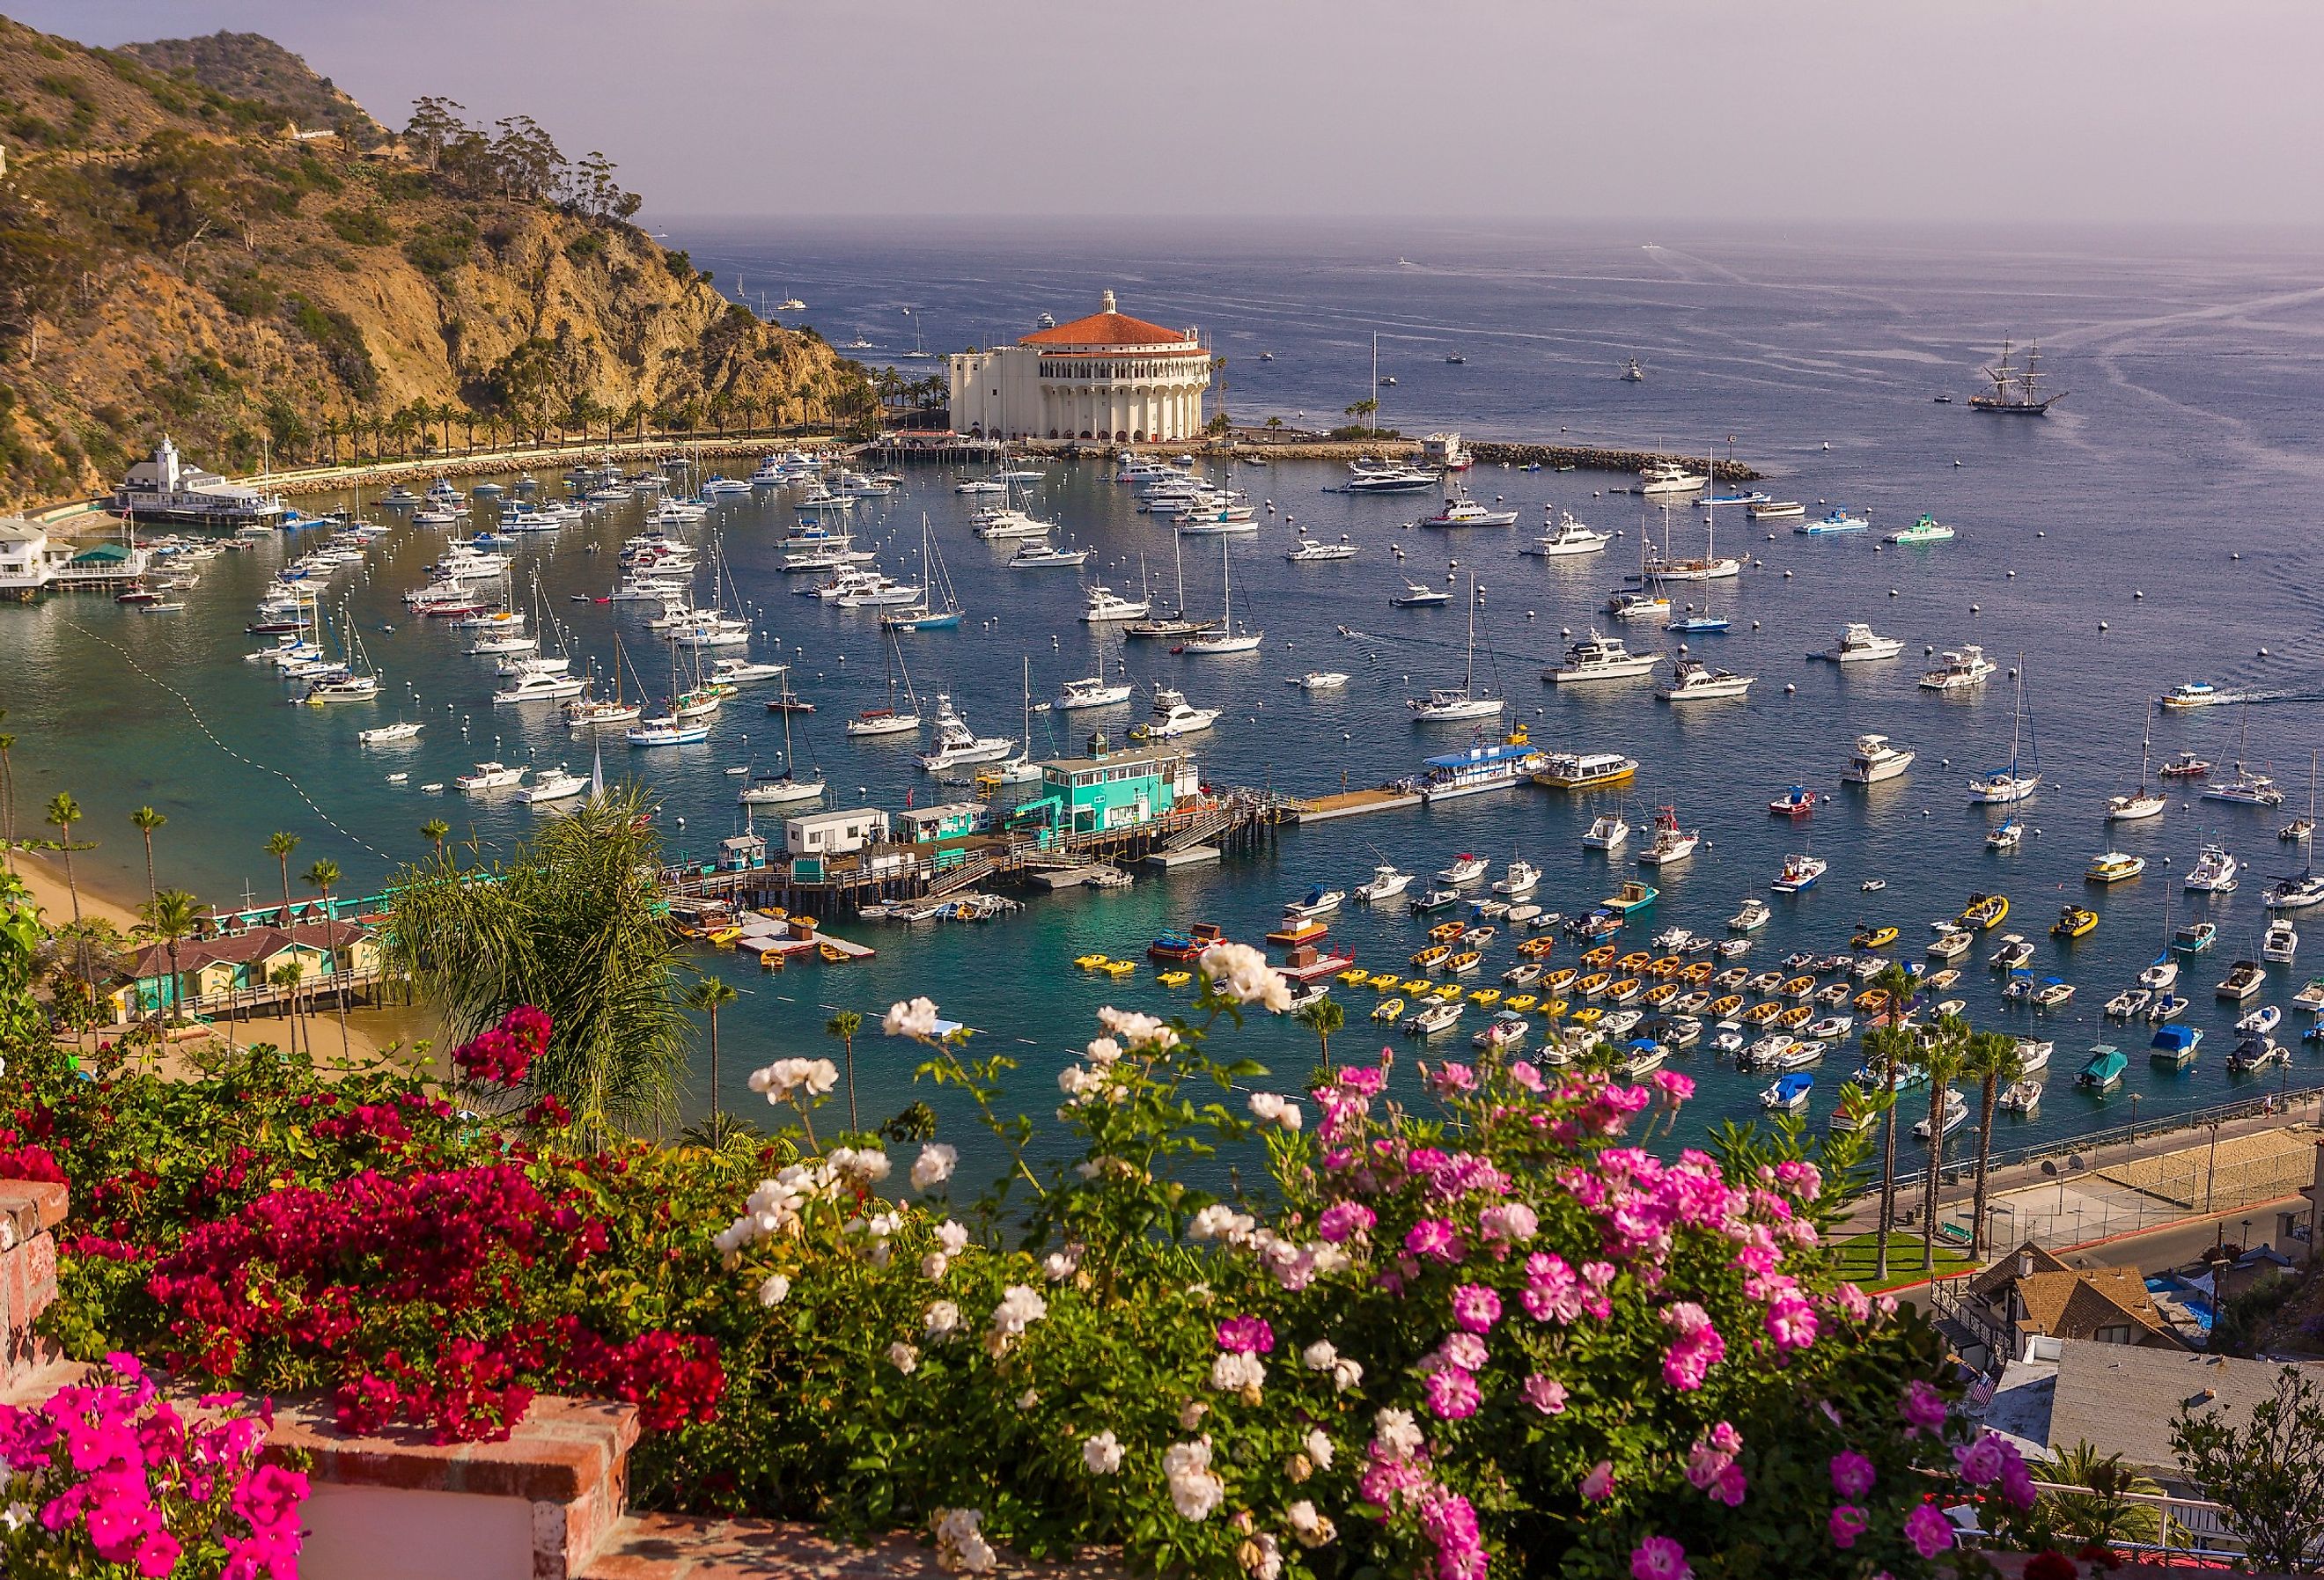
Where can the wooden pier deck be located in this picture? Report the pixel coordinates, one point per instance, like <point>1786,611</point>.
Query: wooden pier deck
<point>1351,804</point>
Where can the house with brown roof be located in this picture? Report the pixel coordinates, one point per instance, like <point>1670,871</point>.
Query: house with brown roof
<point>210,969</point>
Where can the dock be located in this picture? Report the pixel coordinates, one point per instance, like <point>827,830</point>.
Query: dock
<point>1351,804</point>
<point>1090,874</point>
<point>1190,855</point>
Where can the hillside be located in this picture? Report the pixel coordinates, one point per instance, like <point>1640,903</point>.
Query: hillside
<point>171,259</point>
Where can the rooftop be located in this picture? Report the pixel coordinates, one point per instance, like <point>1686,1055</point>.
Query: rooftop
<point>2123,1399</point>
<point>1107,328</point>
<point>2080,1305</point>
<point>1142,755</point>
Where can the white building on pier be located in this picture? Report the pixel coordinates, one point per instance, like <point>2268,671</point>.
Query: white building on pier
<point>1108,376</point>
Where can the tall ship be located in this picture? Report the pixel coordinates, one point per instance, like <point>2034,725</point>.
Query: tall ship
<point>168,488</point>
<point>2016,391</point>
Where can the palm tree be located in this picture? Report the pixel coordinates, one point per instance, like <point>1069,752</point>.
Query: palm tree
<point>321,876</point>
<point>843,1026</point>
<point>7,801</point>
<point>1884,1052</point>
<point>435,831</point>
<point>1324,1017</point>
<point>63,813</point>
<point>171,917</point>
<point>2105,1512</point>
<point>280,845</point>
<point>1992,1057</point>
<point>708,995</point>
<point>147,820</point>
<point>286,976</point>
<point>1943,1058</point>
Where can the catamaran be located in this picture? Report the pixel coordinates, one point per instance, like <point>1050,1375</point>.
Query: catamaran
<point>2004,785</point>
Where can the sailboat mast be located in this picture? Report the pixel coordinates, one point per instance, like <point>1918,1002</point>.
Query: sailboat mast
<point>1226,581</point>
<point>1469,684</point>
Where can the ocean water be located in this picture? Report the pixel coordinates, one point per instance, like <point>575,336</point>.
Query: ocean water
<point>2158,526</point>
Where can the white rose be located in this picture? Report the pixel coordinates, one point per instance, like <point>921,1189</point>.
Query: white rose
<point>941,1320</point>
<point>904,1357</point>
<point>1101,1454</point>
<point>1319,1355</point>
<point>914,1017</point>
<point>933,1166</point>
<point>1319,1449</point>
<point>775,1290</point>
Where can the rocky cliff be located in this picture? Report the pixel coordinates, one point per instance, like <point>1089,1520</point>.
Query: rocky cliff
<point>173,257</point>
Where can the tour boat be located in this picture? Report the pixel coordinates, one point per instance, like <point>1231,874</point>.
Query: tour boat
<point>2008,786</point>
<point>1958,671</point>
<point>1600,658</point>
<point>1571,770</point>
<point>1484,765</point>
<point>2113,866</point>
<point>2195,694</point>
<point>1570,537</point>
<point>1876,760</point>
<point>2215,870</point>
<point>1696,681</point>
<point>1800,872</point>
<point>1927,529</point>
<point>1858,644</point>
<point>1831,525</point>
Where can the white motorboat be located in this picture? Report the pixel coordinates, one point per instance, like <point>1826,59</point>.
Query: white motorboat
<point>1517,880</point>
<point>1042,556</point>
<point>2160,977</point>
<point>1091,691</point>
<point>1173,717</point>
<point>401,730</point>
<point>1468,513</point>
<point>2023,1096</point>
<point>1607,831</point>
<point>1420,596</point>
<point>487,777</point>
<point>957,744</point>
<point>1385,883</point>
<point>1696,681</point>
<point>1958,671</point>
<point>1600,658</point>
<point>556,785</point>
<point>2007,786</point>
<point>1876,760</point>
<point>1105,605</point>
<point>1570,537</point>
<point>742,671</point>
<point>1319,680</point>
<point>1638,604</point>
<point>1671,844</point>
<point>779,789</point>
<point>539,686</point>
<point>2214,871</point>
<point>1800,872</point>
<point>1670,477</point>
<point>2260,1021</point>
<point>1777,510</point>
<point>1001,524</point>
<point>1953,1114</point>
<point>344,688</point>
<point>1466,869</point>
<point>1311,553</point>
<point>1859,644</point>
<point>2296,892</point>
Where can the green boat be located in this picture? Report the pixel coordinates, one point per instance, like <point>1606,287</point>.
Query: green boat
<point>2104,1069</point>
<point>1927,529</point>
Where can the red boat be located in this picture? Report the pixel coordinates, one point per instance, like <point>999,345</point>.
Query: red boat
<point>2186,765</point>
<point>1797,802</point>
<point>1187,945</point>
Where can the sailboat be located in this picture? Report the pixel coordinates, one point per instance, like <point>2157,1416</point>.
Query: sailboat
<point>2303,828</point>
<point>784,789</point>
<point>356,681</point>
<point>2000,787</point>
<point>1445,705</point>
<point>1020,768</point>
<point>1092,690</point>
<point>888,720</point>
<point>1223,638</point>
<point>939,608</point>
<point>2147,801</point>
<point>2246,788</point>
<point>2304,887</point>
<point>587,712</point>
<point>1709,569</point>
<point>1176,623</point>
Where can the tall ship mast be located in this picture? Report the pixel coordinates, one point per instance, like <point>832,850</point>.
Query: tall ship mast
<point>2017,393</point>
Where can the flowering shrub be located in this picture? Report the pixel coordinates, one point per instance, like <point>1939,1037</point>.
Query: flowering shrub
<point>107,1479</point>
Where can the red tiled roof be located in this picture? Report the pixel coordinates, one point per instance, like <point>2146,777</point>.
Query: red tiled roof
<point>1106,330</point>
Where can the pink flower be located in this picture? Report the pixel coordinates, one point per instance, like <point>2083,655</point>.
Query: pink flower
<point>1247,1335</point>
<point>1792,1323</point>
<point>1450,1522</point>
<point>1847,1523</point>
<point>157,1555</point>
<point>1454,1078</point>
<point>1524,1074</point>
<point>1852,1302</point>
<point>1658,1557</point>
<point>1344,1220</point>
<point>1511,1221</point>
<point>1730,1486</point>
<point>1463,1352</point>
<point>1922,1408</point>
<point>1983,1461</point>
<point>1452,1393</point>
<point>1551,1291</point>
<point>1435,1238</point>
<point>1545,1394</point>
<point>1852,1475</point>
<point>1928,1530</point>
<point>1476,1308</point>
<point>1673,1085</point>
<point>1599,1484</point>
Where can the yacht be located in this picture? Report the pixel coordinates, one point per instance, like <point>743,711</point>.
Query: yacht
<point>556,785</point>
<point>1375,478</point>
<point>2113,866</point>
<point>1311,553</point>
<point>487,777</point>
<point>1445,705</point>
<point>539,686</point>
<point>1778,510</point>
<point>1832,525</point>
<point>1800,872</point>
<point>1638,604</point>
<point>1876,760</point>
<point>1952,1115</point>
<point>741,671</point>
<point>1586,769</point>
<point>1670,477</point>
<point>1091,691</point>
<point>1858,644</point>
<point>1041,556</point>
<point>1600,658</point>
<point>2296,892</point>
<point>998,524</point>
<point>1606,833</point>
<point>401,730</point>
<point>1958,671</point>
<point>2280,942</point>
<point>957,744</point>
<point>1386,884</point>
<point>1670,843</point>
<point>2215,870</point>
<point>1696,681</point>
<point>1420,596</point>
<point>1172,717</point>
<point>1469,513</point>
<point>1105,604</point>
<point>1999,787</point>
<point>1570,537</point>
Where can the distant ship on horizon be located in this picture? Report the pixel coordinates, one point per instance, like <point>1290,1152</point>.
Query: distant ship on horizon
<point>2027,401</point>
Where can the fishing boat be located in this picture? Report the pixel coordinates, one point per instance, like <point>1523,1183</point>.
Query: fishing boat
<point>1607,831</point>
<point>1600,658</point>
<point>1958,671</point>
<point>1483,766</point>
<point>957,744</point>
<point>2310,997</point>
<point>2102,1071</point>
<point>1927,529</point>
<point>2023,1096</point>
<point>1173,717</point>
<point>2113,866</point>
<point>1386,884</point>
<point>1465,869</point>
<point>1519,879</point>
<point>2243,980</point>
<point>1876,760</point>
<point>1795,803</point>
<point>1751,916</point>
<point>1443,704</point>
<point>1670,843</point>
<point>1800,872</point>
<point>2214,871</point>
<point>2186,765</point>
<point>2129,1003</point>
<point>1570,537</point>
<point>2016,782</point>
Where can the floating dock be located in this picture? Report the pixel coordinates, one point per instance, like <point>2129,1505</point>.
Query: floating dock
<point>1352,803</point>
<point>1191,856</point>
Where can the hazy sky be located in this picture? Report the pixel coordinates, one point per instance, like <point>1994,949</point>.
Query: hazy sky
<point>1982,110</point>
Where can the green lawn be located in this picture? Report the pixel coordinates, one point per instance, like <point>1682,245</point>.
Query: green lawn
<point>1859,1256</point>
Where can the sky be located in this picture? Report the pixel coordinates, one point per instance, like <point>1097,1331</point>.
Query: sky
<point>2012,112</point>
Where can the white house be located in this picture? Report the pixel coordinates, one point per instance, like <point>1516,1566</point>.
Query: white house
<point>836,832</point>
<point>28,560</point>
<point>1108,376</point>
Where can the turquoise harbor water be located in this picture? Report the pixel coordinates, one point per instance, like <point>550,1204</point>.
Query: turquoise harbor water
<point>2182,468</point>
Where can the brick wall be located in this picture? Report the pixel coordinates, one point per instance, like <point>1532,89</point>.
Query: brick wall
<point>28,1214</point>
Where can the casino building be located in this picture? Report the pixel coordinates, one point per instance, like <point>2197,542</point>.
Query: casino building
<point>1108,376</point>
